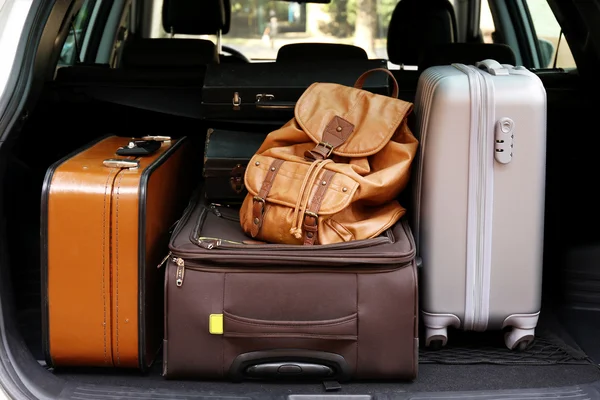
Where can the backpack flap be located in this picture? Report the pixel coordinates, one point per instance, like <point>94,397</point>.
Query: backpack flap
<point>348,121</point>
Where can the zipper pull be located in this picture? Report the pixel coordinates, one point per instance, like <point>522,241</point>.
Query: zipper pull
<point>164,260</point>
<point>214,209</point>
<point>180,271</point>
<point>209,244</point>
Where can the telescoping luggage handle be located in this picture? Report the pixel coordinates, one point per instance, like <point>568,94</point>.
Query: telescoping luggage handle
<point>361,80</point>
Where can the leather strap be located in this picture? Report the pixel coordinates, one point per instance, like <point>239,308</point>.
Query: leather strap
<point>311,219</point>
<point>337,131</point>
<point>361,80</point>
<point>258,203</point>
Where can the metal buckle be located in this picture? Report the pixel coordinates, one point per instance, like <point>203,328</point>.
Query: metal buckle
<point>262,201</point>
<point>121,163</point>
<point>327,146</point>
<point>311,214</point>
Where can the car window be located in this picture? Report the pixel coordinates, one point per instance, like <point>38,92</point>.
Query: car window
<point>260,28</point>
<point>71,51</point>
<point>549,34</point>
<point>486,22</point>
<point>547,29</point>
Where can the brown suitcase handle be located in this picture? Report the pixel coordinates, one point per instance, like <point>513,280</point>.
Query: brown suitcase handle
<point>361,80</point>
<point>242,364</point>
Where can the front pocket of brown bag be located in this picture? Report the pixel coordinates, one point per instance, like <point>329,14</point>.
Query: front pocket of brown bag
<point>344,234</point>
<point>344,328</point>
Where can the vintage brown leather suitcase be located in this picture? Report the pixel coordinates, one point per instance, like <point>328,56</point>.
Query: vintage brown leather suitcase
<point>105,229</point>
<point>226,156</point>
<point>238,309</point>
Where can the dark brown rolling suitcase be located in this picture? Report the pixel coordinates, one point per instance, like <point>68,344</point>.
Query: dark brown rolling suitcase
<point>238,309</point>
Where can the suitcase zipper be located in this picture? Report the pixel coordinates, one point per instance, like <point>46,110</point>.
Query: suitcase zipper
<point>211,243</point>
<point>180,273</point>
<point>479,201</point>
<point>214,207</point>
<point>182,265</point>
<point>485,200</point>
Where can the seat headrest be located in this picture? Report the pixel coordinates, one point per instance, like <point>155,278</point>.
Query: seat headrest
<point>320,51</point>
<point>465,53</point>
<point>194,17</point>
<point>418,24</point>
<point>169,53</point>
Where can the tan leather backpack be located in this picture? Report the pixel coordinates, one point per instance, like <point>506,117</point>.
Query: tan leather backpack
<point>331,174</point>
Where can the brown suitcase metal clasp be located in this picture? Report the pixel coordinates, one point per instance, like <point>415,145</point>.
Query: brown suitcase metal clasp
<point>237,178</point>
<point>121,163</point>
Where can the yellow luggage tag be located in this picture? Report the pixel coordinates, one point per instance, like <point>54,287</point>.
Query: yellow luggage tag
<point>215,324</point>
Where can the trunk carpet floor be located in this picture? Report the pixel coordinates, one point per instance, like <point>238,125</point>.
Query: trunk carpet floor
<point>552,346</point>
<point>432,378</point>
<point>467,363</point>
<point>488,348</point>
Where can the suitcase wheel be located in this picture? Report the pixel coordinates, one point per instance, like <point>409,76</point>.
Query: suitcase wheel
<point>436,338</point>
<point>519,339</point>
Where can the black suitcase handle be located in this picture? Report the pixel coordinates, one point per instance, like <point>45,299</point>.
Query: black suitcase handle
<point>275,105</point>
<point>265,101</point>
<point>139,148</point>
<point>293,364</point>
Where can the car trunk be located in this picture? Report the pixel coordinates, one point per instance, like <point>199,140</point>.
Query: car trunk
<point>563,357</point>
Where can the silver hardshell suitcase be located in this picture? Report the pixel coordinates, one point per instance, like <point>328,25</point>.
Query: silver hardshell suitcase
<point>479,199</point>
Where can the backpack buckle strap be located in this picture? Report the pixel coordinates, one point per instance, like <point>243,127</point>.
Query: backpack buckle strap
<point>258,201</point>
<point>335,134</point>
<point>310,225</point>
<point>321,151</point>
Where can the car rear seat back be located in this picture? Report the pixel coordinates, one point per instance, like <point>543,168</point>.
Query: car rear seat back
<point>162,75</point>
<point>185,17</point>
<point>423,33</point>
<point>153,61</point>
<point>465,53</point>
<point>415,26</point>
<point>295,52</point>
<point>168,53</point>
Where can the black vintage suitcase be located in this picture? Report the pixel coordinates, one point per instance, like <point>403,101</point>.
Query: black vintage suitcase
<point>269,91</point>
<point>226,156</point>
